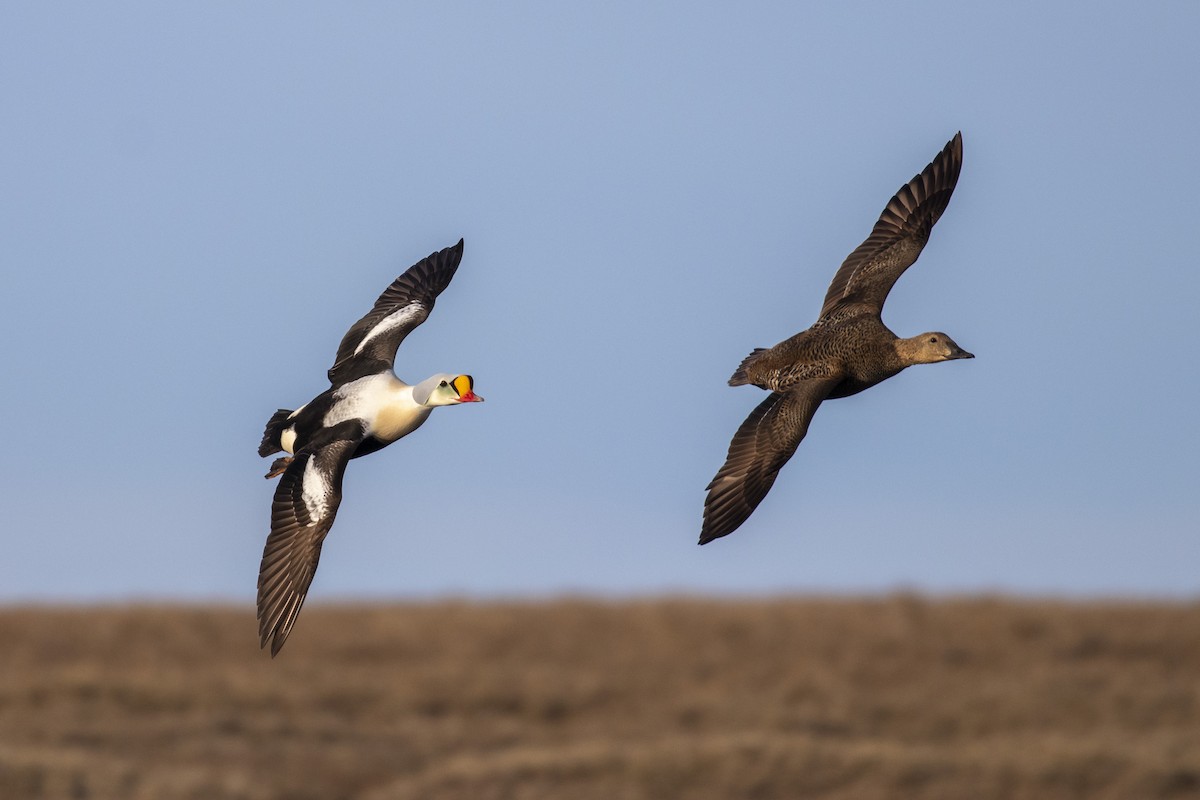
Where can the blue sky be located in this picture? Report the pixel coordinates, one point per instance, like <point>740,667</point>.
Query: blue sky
<point>199,199</point>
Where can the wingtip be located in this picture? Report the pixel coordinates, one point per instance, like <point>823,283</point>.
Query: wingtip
<point>715,524</point>
<point>452,255</point>
<point>276,622</point>
<point>707,536</point>
<point>716,529</point>
<point>276,637</point>
<point>955,146</point>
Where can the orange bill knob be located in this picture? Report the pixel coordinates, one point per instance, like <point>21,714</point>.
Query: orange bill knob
<point>465,385</point>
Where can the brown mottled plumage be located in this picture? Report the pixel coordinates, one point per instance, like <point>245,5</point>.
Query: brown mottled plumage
<point>847,350</point>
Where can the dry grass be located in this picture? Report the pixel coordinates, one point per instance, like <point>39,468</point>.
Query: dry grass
<point>896,698</point>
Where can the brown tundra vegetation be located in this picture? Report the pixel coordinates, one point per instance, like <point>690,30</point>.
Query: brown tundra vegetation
<point>895,697</point>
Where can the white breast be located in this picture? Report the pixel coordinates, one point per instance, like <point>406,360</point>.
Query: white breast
<point>383,401</point>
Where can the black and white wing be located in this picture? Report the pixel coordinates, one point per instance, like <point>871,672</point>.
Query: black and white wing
<point>870,272</point>
<point>760,448</point>
<point>306,502</point>
<point>370,345</point>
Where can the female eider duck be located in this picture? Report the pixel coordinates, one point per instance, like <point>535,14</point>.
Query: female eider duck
<point>847,350</point>
<point>365,409</point>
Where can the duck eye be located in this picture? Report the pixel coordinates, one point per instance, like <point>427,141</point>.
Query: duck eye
<point>933,340</point>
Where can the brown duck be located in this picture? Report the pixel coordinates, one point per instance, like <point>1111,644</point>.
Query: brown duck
<point>847,350</point>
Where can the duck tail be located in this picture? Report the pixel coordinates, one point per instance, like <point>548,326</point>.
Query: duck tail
<point>740,378</point>
<point>271,436</point>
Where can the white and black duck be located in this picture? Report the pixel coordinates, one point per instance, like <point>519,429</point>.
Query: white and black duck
<point>365,409</point>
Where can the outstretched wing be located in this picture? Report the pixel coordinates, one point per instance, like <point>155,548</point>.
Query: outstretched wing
<point>868,274</point>
<point>306,502</point>
<point>760,448</point>
<point>370,344</point>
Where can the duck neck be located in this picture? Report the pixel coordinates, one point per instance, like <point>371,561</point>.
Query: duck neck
<point>910,351</point>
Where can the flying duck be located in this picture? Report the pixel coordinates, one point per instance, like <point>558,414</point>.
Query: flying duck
<point>848,349</point>
<point>365,409</point>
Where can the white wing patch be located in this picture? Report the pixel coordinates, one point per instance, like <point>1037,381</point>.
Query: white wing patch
<point>392,321</point>
<point>316,492</point>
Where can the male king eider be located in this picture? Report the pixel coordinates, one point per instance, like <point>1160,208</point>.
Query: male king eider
<point>847,350</point>
<point>366,408</point>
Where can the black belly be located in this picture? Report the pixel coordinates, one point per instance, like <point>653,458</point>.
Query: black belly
<point>369,445</point>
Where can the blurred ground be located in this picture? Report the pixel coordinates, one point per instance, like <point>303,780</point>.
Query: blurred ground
<point>898,697</point>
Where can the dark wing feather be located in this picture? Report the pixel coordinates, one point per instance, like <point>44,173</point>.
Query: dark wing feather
<point>306,502</point>
<point>370,344</point>
<point>868,274</point>
<point>760,448</point>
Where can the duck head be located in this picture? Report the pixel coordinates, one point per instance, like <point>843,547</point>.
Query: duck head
<point>445,389</point>
<point>930,348</point>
